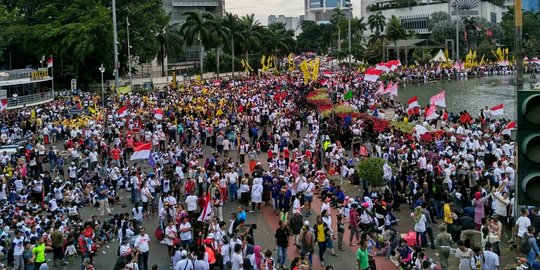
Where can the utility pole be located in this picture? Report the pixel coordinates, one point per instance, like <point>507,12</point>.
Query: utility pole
<point>115,44</point>
<point>518,51</point>
<point>457,32</point>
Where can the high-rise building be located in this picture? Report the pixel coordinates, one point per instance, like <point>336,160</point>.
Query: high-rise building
<point>322,10</point>
<point>175,9</point>
<point>291,23</point>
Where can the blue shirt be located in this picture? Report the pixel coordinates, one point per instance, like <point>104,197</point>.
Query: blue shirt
<point>241,216</point>
<point>99,190</point>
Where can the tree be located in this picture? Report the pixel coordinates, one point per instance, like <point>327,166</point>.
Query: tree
<point>377,22</point>
<point>314,37</point>
<point>170,44</point>
<point>196,28</point>
<point>437,17</point>
<point>337,21</point>
<point>233,24</point>
<point>278,42</point>
<point>251,34</point>
<point>394,29</point>
<point>217,25</point>
<point>371,170</point>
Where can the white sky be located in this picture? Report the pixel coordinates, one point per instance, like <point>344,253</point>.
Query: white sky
<point>264,8</point>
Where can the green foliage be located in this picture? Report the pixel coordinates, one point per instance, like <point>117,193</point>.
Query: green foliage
<point>394,29</point>
<point>374,51</point>
<point>78,34</point>
<point>371,170</point>
<point>376,23</point>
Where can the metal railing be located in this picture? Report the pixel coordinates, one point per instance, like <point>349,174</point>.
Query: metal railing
<point>33,99</point>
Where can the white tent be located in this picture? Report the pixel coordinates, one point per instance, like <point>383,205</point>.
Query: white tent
<point>439,57</point>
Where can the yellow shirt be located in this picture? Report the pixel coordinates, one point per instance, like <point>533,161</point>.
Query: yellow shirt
<point>320,233</point>
<point>448,214</point>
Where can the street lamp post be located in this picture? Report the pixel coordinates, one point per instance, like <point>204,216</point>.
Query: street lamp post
<point>457,31</point>
<point>129,53</point>
<point>115,45</point>
<point>350,15</point>
<point>102,70</point>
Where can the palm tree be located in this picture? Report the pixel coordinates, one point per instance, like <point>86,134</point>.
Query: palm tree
<point>251,34</point>
<point>336,21</point>
<point>220,33</point>
<point>233,24</point>
<point>170,44</point>
<point>377,21</point>
<point>278,43</point>
<point>394,29</point>
<point>196,28</point>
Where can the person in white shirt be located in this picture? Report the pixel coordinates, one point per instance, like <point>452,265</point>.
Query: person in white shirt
<point>236,259</point>
<point>185,233</point>
<point>141,244</point>
<point>521,228</point>
<point>491,259</point>
<point>18,249</point>
<point>191,202</point>
<point>184,263</point>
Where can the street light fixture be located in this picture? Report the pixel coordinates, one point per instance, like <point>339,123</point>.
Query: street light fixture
<point>102,70</point>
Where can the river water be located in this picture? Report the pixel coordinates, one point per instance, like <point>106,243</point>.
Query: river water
<point>467,94</point>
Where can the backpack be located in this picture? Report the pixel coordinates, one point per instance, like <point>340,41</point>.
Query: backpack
<point>525,244</point>
<point>307,241</point>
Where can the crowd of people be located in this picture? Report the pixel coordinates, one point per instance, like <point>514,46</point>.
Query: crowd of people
<point>253,143</point>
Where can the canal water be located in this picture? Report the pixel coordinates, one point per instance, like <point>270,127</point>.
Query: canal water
<point>467,94</point>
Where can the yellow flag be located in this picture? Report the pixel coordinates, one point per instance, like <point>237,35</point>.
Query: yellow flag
<point>124,89</point>
<point>264,67</point>
<point>506,52</point>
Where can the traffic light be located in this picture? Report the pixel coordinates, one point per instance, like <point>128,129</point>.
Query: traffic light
<point>528,137</point>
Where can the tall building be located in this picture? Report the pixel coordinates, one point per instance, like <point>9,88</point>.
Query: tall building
<point>291,23</point>
<point>322,10</point>
<point>175,8</point>
<point>415,16</point>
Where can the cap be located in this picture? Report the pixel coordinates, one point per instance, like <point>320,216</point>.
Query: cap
<point>306,223</point>
<point>183,253</point>
<point>210,235</point>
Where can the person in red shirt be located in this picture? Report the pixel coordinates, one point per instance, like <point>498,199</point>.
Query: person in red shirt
<point>286,155</point>
<point>130,143</point>
<point>115,155</point>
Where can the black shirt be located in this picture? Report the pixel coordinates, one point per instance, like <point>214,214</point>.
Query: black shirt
<point>282,237</point>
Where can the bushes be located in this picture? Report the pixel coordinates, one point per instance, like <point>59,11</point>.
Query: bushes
<point>371,170</point>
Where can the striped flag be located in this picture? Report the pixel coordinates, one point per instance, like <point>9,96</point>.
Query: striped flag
<point>497,110</point>
<point>206,214</point>
<point>439,99</point>
<point>142,151</point>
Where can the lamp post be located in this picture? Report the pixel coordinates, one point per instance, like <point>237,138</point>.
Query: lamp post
<point>115,45</point>
<point>102,70</point>
<point>349,30</point>
<point>129,53</point>
<point>456,6</point>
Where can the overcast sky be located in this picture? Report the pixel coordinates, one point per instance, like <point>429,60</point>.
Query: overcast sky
<point>263,8</point>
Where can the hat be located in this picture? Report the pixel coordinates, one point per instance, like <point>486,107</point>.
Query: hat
<point>183,253</point>
<point>210,236</point>
<point>306,223</point>
<point>207,241</point>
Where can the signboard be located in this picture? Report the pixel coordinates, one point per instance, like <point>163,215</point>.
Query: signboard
<point>39,74</point>
<point>466,13</point>
<point>73,84</point>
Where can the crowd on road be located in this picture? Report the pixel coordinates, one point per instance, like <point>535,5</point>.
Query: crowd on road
<point>206,141</point>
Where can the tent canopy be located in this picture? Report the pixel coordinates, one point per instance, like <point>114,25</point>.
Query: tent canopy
<point>439,57</point>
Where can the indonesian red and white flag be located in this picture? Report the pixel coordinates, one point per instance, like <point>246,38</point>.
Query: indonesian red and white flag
<point>372,75</point>
<point>439,99</point>
<point>380,91</point>
<point>431,112</point>
<point>206,213</point>
<point>420,130</point>
<point>413,102</point>
<point>497,110</point>
<point>122,112</point>
<point>217,82</point>
<point>158,114</point>
<point>508,129</point>
<point>383,67</point>
<point>392,89</point>
<point>3,104</point>
<point>324,81</point>
<point>50,62</point>
<point>393,64</point>
<point>142,151</point>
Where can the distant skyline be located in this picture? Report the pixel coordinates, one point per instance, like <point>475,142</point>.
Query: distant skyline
<point>264,8</point>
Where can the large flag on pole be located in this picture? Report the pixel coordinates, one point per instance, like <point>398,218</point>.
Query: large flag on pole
<point>3,104</point>
<point>508,129</point>
<point>380,91</point>
<point>142,151</point>
<point>497,110</point>
<point>206,214</point>
<point>158,114</point>
<point>413,102</point>
<point>372,75</point>
<point>431,112</point>
<point>439,99</point>
<point>392,89</point>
